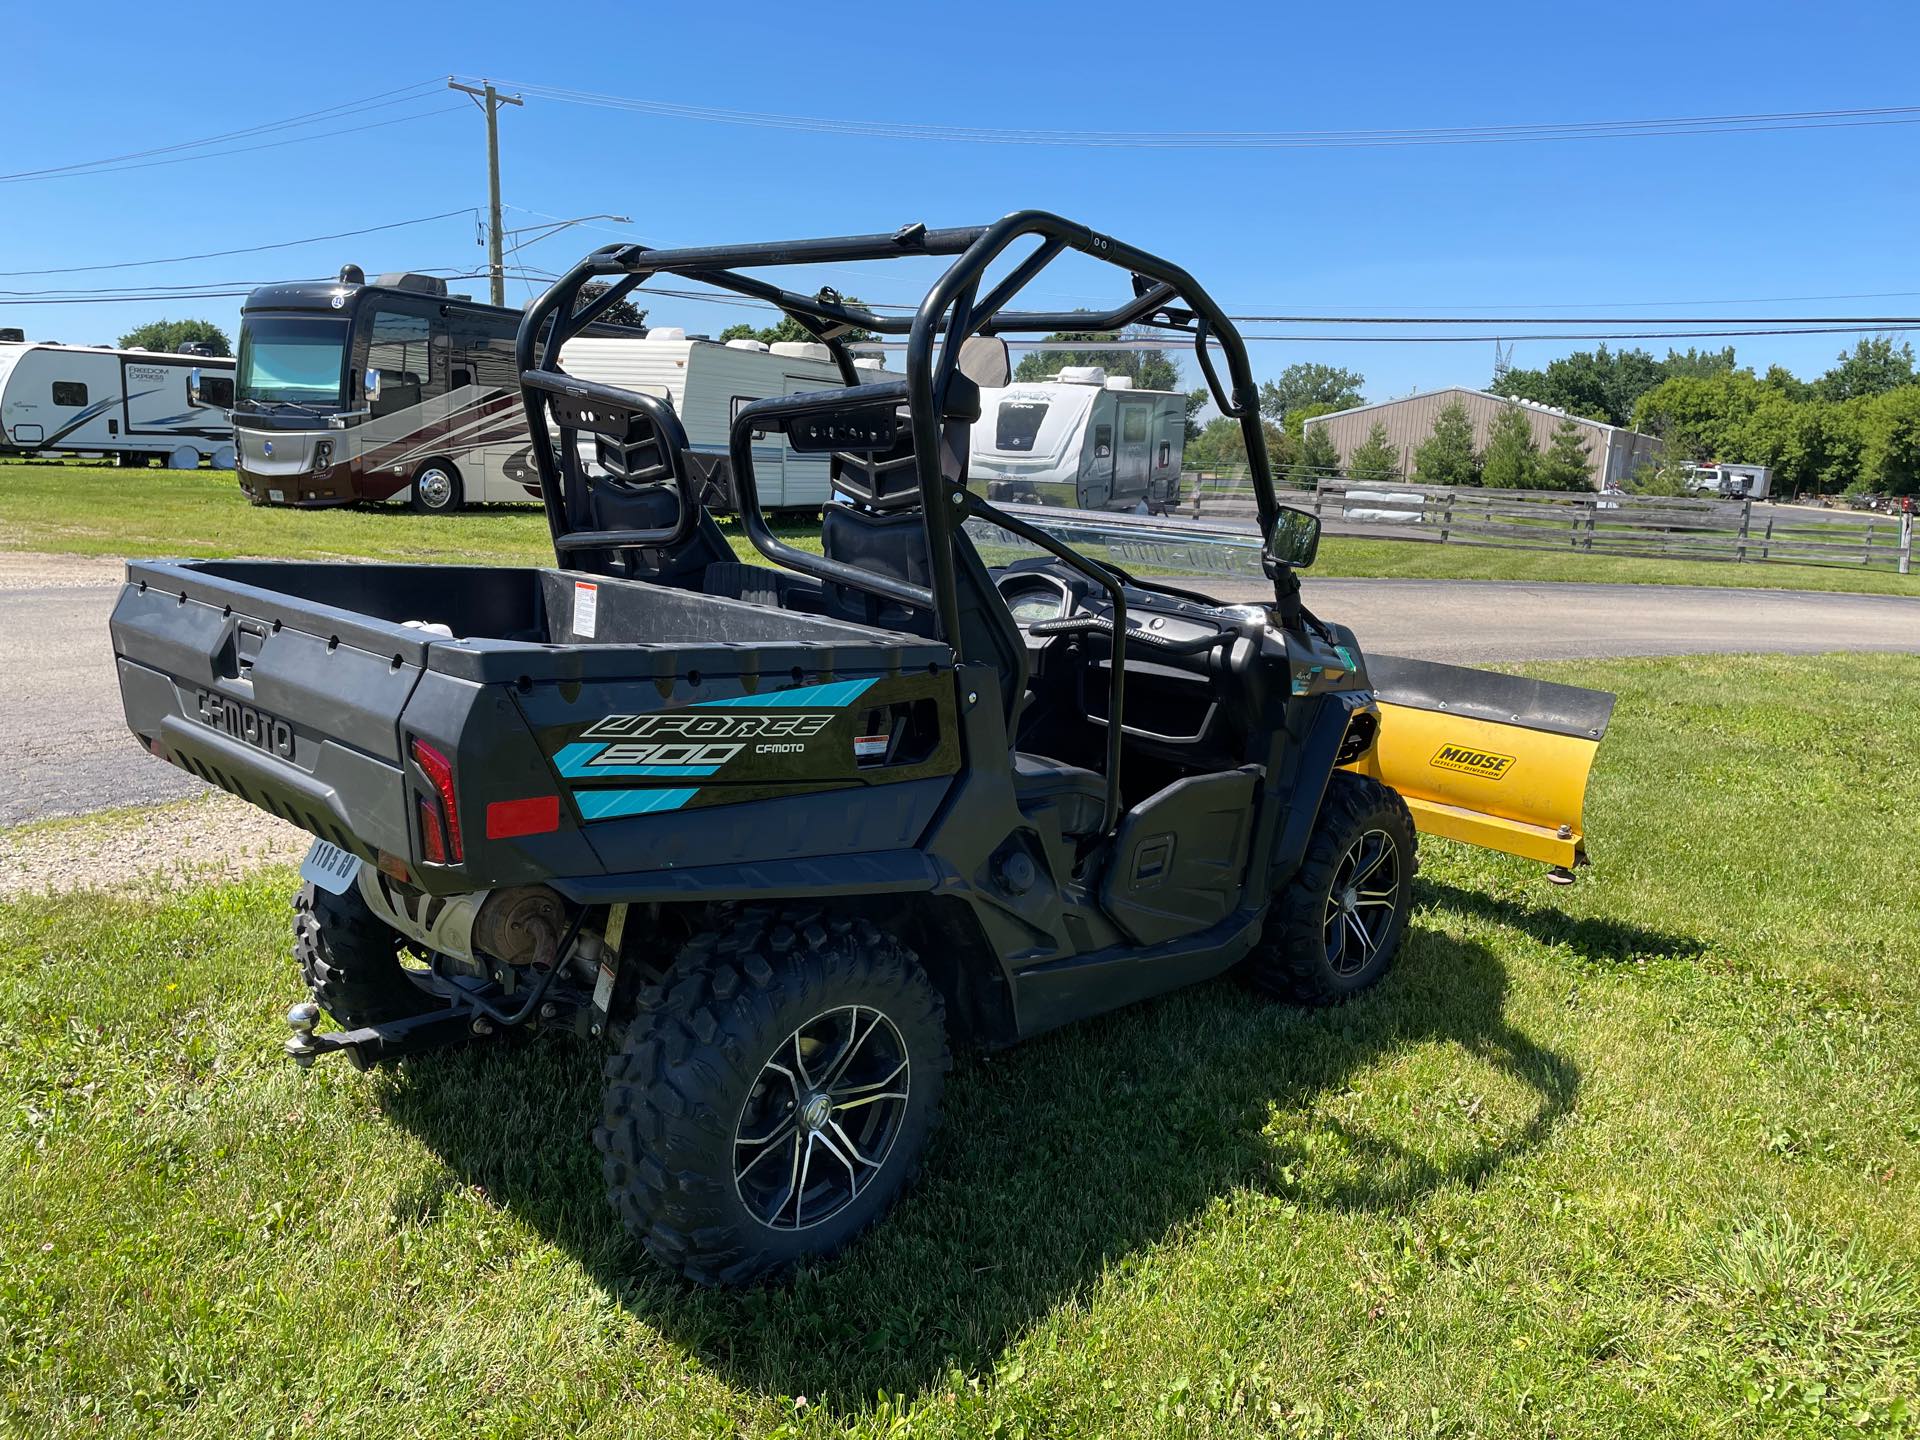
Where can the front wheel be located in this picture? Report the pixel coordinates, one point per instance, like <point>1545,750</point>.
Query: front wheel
<point>1336,928</point>
<point>436,488</point>
<point>772,1097</point>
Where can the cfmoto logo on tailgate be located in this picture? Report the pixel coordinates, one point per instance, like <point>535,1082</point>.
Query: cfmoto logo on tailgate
<point>246,724</point>
<point>1485,763</point>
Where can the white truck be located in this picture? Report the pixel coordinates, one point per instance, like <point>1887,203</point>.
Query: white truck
<point>136,405</point>
<point>1085,440</point>
<point>1732,482</point>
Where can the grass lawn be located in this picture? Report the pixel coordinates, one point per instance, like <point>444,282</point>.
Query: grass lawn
<point>98,510</point>
<point>1639,1158</point>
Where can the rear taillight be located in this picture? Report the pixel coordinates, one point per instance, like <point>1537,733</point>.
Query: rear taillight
<point>440,813</point>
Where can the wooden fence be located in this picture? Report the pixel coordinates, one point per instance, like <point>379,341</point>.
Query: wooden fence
<point>1590,524</point>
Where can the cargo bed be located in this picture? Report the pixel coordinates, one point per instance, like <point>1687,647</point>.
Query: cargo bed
<point>304,687</point>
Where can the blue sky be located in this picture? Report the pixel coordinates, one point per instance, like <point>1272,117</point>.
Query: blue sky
<point>1603,224</point>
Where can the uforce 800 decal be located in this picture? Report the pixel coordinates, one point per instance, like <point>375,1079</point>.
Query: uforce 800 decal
<point>683,742</point>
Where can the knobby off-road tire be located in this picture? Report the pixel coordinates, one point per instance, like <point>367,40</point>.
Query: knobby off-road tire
<point>350,960</point>
<point>1335,930</point>
<point>739,1056</point>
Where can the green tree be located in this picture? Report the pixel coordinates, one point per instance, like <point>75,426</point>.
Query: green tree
<point>622,312</point>
<point>1326,386</point>
<point>1873,367</point>
<point>1446,457</point>
<point>1568,462</point>
<point>1600,384</point>
<point>1374,458</point>
<point>1890,452</point>
<point>1222,445</point>
<point>1697,362</point>
<point>788,330</point>
<point>1512,460</point>
<point>1668,478</point>
<point>1196,402</point>
<point>170,335</point>
<point>1148,369</point>
<point>1315,458</point>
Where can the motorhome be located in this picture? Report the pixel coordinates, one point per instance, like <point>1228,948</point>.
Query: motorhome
<point>134,405</point>
<point>1734,482</point>
<point>709,382</point>
<point>349,391</point>
<point>1085,439</point>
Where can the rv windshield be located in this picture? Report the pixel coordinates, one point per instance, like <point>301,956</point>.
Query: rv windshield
<point>291,359</point>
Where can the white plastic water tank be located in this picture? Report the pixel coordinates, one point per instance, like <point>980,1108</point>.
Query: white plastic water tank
<point>801,350</point>
<point>1081,375</point>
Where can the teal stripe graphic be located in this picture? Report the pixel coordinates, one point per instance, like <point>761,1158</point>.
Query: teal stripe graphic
<point>614,804</point>
<point>574,762</point>
<point>841,692</point>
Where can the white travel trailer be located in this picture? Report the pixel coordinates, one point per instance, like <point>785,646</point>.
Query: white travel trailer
<point>1084,439</point>
<point>1735,482</point>
<point>708,382</point>
<point>133,404</point>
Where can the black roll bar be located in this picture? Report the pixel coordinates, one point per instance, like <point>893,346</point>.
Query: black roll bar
<point>1165,298</point>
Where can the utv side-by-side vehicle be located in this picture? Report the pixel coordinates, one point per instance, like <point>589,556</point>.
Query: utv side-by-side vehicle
<point>780,835</point>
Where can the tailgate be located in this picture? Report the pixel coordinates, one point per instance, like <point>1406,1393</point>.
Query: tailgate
<point>293,706</point>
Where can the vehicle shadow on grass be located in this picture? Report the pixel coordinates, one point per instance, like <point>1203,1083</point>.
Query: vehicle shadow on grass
<point>1055,1161</point>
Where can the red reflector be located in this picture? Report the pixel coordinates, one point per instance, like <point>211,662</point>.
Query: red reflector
<point>394,866</point>
<point>439,772</point>
<point>433,840</point>
<point>538,815</point>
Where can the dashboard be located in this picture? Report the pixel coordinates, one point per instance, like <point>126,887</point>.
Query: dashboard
<point>1034,596</point>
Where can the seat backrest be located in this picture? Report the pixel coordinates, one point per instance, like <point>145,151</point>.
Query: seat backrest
<point>893,544</point>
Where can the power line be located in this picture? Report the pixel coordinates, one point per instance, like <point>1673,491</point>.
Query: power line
<point>241,250</point>
<point>1245,139</point>
<point>330,112</point>
<point>241,149</point>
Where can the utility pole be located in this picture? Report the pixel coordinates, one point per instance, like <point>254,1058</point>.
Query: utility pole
<point>491,100</point>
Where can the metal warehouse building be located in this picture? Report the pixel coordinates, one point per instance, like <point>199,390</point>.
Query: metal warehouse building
<point>1613,453</point>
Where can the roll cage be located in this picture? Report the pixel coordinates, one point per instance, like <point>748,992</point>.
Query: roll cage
<point>647,443</point>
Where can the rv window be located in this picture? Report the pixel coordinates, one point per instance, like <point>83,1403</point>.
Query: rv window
<point>403,352</point>
<point>1102,442</point>
<point>290,360</point>
<point>1019,424</point>
<point>1133,425</point>
<point>1166,453</point>
<point>69,392</point>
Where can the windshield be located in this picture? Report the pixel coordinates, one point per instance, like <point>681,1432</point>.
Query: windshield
<point>291,359</point>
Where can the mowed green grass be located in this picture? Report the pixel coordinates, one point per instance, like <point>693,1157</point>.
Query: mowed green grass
<point>98,510</point>
<point>1637,1158</point>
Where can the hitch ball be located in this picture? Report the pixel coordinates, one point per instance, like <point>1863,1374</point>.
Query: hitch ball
<point>301,1019</point>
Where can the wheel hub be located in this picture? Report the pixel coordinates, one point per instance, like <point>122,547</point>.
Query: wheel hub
<point>819,1122</point>
<point>1362,902</point>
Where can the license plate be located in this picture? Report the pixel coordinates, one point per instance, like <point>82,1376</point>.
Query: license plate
<point>330,867</point>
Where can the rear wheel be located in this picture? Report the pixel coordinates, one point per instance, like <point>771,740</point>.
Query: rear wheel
<point>436,488</point>
<point>350,960</point>
<point>1335,930</point>
<point>771,1099</point>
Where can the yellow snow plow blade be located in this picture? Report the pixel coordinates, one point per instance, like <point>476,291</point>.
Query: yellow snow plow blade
<point>1499,761</point>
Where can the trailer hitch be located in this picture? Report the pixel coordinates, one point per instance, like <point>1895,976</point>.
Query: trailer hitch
<point>370,1044</point>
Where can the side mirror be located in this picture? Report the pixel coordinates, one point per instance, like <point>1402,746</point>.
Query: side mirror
<point>1294,539</point>
<point>372,386</point>
<point>193,386</point>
